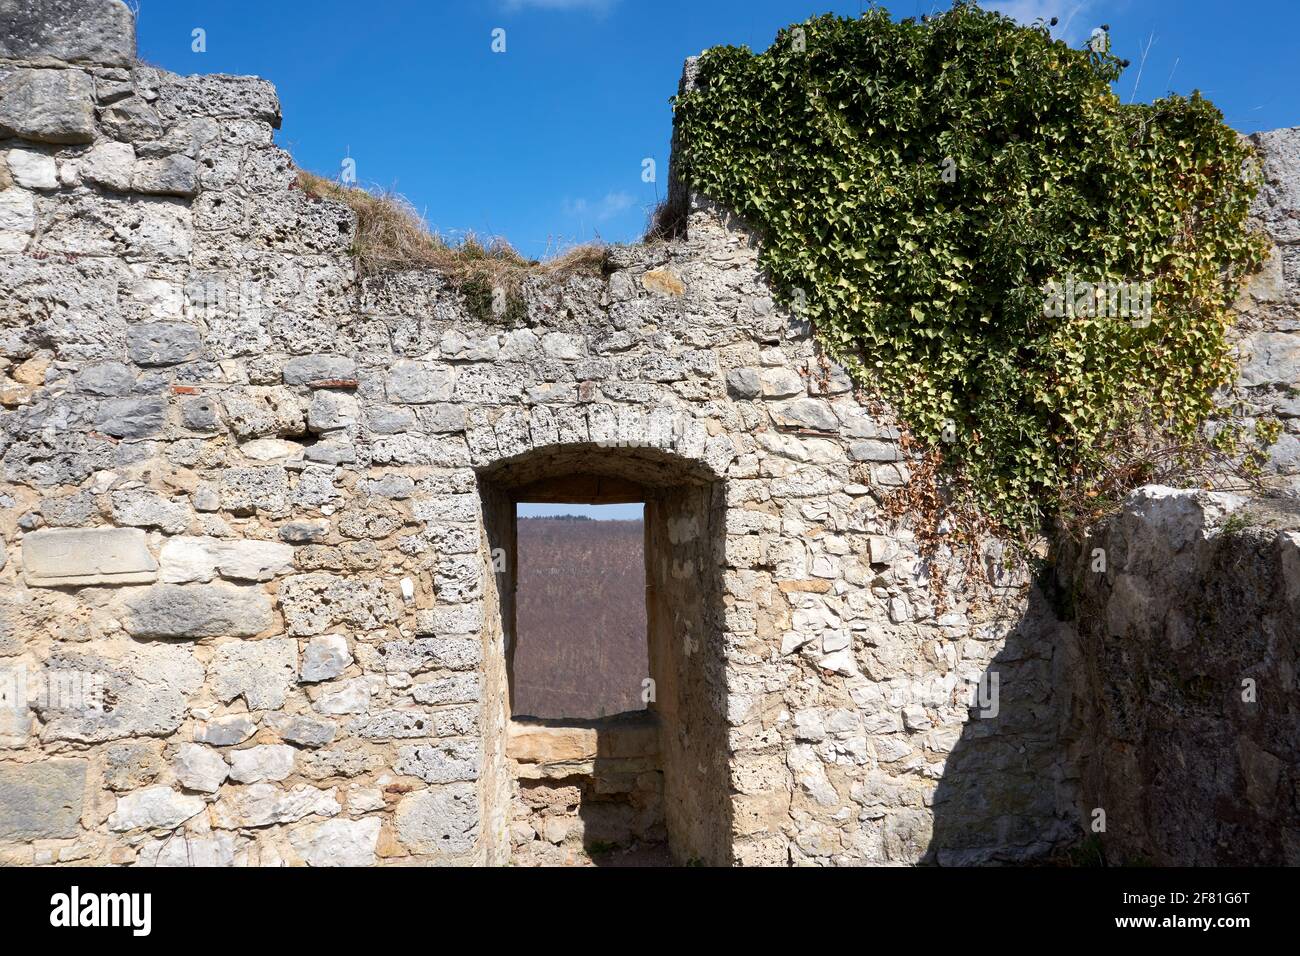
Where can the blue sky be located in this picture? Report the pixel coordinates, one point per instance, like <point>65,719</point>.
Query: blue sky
<point>544,144</point>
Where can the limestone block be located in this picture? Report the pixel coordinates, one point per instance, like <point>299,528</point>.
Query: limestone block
<point>416,383</point>
<point>109,164</point>
<point>167,176</point>
<point>148,685</point>
<point>262,672</point>
<point>304,731</point>
<point>264,804</point>
<point>262,763</point>
<point>132,764</point>
<point>154,808</point>
<point>312,603</point>
<point>442,820</point>
<point>142,508</point>
<point>67,557</point>
<point>132,417</point>
<point>325,658</point>
<point>163,343</point>
<point>256,411</point>
<point>189,559</point>
<point>811,413</point>
<point>32,170</point>
<point>48,106</point>
<point>200,768</point>
<point>198,610</point>
<point>447,761</point>
<point>217,849</point>
<point>76,31</point>
<point>244,491</point>
<point>304,369</point>
<point>339,842</point>
<point>17,217</point>
<point>226,731</point>
<point>41,801</point>
<point>345,697</point>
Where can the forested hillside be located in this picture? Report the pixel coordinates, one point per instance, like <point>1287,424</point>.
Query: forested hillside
<point>581,617</point>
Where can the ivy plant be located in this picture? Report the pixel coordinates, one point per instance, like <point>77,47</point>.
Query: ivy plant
<point>1027,268</point>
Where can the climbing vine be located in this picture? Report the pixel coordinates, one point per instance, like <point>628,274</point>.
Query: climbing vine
<point>1032,272</point>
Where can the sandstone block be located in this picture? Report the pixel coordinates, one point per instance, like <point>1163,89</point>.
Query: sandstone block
<point>68,557</point>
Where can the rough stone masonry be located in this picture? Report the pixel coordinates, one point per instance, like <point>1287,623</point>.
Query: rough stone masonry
<point>249,607</point>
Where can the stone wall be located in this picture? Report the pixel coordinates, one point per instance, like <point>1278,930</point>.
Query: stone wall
<point>250,608</point>
<point>1186,723</point>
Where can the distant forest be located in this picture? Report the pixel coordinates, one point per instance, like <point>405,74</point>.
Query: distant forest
<point>580,617</point>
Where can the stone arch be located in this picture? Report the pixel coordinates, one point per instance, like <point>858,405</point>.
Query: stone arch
<point>682,740</point>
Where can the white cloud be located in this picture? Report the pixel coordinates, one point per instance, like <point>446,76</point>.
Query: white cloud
<point>595,6</point>
<point>609,206</point>
<point>1068,12</point>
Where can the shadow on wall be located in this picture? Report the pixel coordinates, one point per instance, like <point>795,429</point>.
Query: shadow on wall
<point>1188,720</point>
<point>1154,720</point>
<point>1009,787</point>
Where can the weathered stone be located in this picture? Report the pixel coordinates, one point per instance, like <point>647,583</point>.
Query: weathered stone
<point>305,532</point>
<point>339,842</point>
<point>199,768</point>
<point>184,560</point>
<point>312,603</point>
<point>264,804</point>
<point>266,762</point>
<point>345,697</point>
<point>304,731</point>
<point>440,821</point>
<point>48,106</point>
<point>132,417</point>
<point>32,170</point>
<point>163,343</point>
<point>201,414</point>
<point>109,164</point>
<point>744,383</point>
<point>76,31</point>
<point>304,369</point>
<point>217,849</point>
<point>245,491</point>
<point>106,378</point>
<point>196,610</point>
<point>155,808</point>
<point>811,413</point>
<point>168,176</point>
<point>447,761</point>
<point>41,801</point>
<point>130,689</point>
<point>226,731</point>
<point>324,658</point>
<point>142,508</point>
<point>264,410</point>
<point>262,672</point>
<point>414,383</point>
<point>66,557</point>
<point>132,764</point>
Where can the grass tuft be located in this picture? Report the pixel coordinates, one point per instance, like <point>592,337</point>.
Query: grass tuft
<point>392,237</point>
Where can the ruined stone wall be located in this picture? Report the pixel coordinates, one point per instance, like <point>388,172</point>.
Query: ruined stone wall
<point>244,497</point>
<point>1187,718</point>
